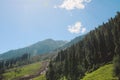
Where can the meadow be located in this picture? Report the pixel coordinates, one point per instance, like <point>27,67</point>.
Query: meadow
<point>21,71</point>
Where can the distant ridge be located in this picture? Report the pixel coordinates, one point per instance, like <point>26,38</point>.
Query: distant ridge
<point>40,47</point>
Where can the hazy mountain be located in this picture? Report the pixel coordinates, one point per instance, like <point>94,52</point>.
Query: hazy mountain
<point>40,47</point>
<point>74,41</point>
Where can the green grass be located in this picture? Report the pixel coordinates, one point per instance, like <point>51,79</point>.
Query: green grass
<point>41,77</point>
<point>21,71</point>
<point>103,73</point>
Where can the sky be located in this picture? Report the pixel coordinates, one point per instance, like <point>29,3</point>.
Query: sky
<point>25,22</point>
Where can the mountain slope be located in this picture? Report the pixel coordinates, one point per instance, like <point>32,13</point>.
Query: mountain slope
<point>73,41</point>
<point>41,47</point>
<point>97,48</point>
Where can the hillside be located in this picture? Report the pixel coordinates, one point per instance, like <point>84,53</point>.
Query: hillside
<point>97,48</point>
<point>41,47</point>
<point>103,73</point>
<point>26,72</point>
<point>73,41</point>
<point>18,72</point>
<point>54,53</point>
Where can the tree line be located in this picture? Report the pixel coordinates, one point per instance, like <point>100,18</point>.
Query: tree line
<point>14,62</point>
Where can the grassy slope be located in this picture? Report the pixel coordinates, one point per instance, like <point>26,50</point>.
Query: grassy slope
<point>21,71</point>
<point>103,73</point>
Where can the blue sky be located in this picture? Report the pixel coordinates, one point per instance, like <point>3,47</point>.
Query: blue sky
<point>24,22</point>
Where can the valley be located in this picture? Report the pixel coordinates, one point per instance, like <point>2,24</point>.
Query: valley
<point>59,40</point>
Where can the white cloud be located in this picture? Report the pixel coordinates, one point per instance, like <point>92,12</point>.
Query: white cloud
<point>83,30</point>
<point>73,4</point>
<point>76,28</point>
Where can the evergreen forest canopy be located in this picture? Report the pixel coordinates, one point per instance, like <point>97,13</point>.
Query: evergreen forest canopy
<point>97,48</point>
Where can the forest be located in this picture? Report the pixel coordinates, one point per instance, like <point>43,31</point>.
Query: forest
<point>97,48</point>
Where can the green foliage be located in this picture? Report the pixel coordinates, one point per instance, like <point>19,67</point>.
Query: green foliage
<point>50,74</point>
<point>14,62</point>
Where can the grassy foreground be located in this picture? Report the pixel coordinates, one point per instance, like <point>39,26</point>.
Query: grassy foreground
<point>103,73</point>
<point>21,71</point>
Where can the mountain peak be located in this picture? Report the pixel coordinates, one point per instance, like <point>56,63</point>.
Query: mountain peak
<point>40,47</point>
<point>49,39</point>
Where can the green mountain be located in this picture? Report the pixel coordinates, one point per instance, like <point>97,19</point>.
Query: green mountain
<point>55,52</point>
<point>41,47</point>
<point>73,41</point>
<point>97,48</point>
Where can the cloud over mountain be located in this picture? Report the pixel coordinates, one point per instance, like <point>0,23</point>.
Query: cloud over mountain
<point>76,28</point>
